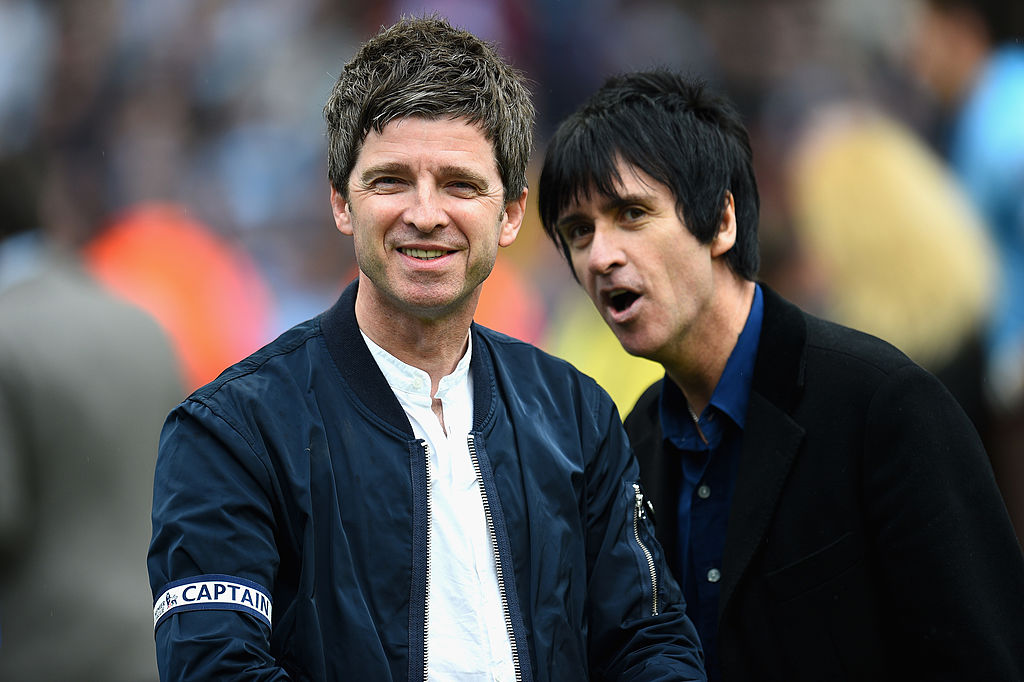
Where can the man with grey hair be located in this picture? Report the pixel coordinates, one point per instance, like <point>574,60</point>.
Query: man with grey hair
<point>390,491</point>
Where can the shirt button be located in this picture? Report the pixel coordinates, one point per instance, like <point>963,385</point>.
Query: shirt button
<point>714,575</point>
<point>704,492</point>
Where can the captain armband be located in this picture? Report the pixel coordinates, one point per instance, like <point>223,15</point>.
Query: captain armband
<point>213,592</point>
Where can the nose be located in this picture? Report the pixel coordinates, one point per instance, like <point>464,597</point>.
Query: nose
<point>426,212</point>
<point>606,250</point>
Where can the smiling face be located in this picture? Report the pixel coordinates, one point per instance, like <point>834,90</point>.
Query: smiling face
<point>427,213</point>
<point>651,279</point>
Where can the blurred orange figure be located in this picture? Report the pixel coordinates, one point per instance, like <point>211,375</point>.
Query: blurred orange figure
<point>509,304</point>
<point>208,295</point>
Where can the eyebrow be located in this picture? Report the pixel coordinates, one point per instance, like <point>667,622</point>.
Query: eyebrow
<point>608,203</point>
<point>446,171</point>
<point>389,168</point>
<point>463,173</point>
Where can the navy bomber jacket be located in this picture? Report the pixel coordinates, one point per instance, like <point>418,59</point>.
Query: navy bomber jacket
<point>290,520</point>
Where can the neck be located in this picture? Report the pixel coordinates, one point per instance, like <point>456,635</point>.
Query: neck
<point>432,344</point>
<point>700,358</point>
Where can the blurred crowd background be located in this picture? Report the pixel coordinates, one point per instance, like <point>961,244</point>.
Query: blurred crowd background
<point>164,212</point>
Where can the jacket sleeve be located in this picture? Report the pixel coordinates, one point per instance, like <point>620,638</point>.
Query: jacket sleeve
<point>951,570</point>
<point>213,558</point>
<point>638,627</point>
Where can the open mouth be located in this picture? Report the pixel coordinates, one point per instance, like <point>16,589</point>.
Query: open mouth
<point>621,300</point>
<point>423,254</point>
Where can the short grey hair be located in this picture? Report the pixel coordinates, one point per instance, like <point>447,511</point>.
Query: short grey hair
<point>425,67</point>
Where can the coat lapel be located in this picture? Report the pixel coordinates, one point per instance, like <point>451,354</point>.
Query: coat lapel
<point>771,438</point>
<point>770,443</point>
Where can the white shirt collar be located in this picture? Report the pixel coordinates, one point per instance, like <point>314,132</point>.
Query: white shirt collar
<point>413,380</point>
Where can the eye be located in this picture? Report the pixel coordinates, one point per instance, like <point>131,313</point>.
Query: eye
<point>577,235</point>
<point>632,214</point>
<point>387,183</point>
<point>463,189</point>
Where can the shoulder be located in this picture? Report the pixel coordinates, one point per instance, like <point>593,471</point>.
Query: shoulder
<point>836,345</point>
<point>795,343</point>
<point>854,377</point>
<point>530,362</point>
<point>809,364</point>
<point>527,374</point>
<point>254,412</point>
<point>645,412</point>
<point>273,374</point>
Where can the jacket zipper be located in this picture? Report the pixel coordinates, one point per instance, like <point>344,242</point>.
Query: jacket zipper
<point>497,559</point>
<point>426,591</point>
<point>638,513</point>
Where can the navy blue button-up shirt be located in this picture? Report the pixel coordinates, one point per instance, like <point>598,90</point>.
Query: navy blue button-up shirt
<point>709,458</point>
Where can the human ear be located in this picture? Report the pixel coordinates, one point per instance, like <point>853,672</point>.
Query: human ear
<point>512,219</point>
<point>342,217</point>
<point>726,237</point>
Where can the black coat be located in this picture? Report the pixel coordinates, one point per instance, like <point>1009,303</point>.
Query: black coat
<point>867,539</point>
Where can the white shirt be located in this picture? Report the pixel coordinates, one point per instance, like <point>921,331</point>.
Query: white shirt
<point>466,634</point>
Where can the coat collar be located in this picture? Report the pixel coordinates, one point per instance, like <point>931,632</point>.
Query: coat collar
<point>362,375</point>
<point>779,368</point>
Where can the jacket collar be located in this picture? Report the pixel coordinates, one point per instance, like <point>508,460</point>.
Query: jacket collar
<point>779,368</point>
<point>362,375</point>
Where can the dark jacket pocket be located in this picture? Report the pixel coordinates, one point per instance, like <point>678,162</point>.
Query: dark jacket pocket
<point>825,613</point>
<point>816,568</point>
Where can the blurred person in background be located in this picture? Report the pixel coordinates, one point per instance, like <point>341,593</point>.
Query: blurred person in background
<point>85,381</point>
<point>970,53</point>
<point>85,378</point>
<point>388,490</point>
<point>825,503</point>
<point>865,191</point>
